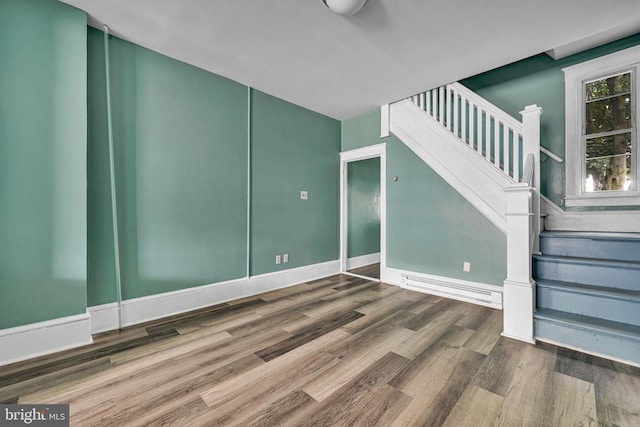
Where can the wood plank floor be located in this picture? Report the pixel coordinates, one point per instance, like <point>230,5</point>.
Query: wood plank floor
<point>341,351</point>
<point>371,270</point>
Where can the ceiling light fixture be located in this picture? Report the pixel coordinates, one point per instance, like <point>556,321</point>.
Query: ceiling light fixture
<point>344,7</point>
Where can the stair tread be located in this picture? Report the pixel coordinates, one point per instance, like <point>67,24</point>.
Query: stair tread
<point>592,323</point>
<point>626,294</point>
<point>594,235</point>
<point>584,260</point>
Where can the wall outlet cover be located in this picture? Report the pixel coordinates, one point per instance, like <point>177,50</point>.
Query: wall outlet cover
<point>304,195</point>
<point>466,266</point>
<point>285,258</point>
<point>277,259</point>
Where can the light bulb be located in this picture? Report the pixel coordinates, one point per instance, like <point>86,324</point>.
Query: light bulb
<point>345,7</point>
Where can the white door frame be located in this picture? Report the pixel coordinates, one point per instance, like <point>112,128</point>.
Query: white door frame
<point>346,157</point>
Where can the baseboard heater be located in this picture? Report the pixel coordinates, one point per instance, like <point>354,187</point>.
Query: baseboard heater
<point>476,293</point>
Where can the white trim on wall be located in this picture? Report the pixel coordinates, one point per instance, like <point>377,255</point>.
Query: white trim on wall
<point>369,152</point>
<point>601,221</point>
<point>143,309</point>
<point>103,317</point>
<point>363,260</point>
<point>42,338</point>
<point>38,339</point>
<point>448,287</point>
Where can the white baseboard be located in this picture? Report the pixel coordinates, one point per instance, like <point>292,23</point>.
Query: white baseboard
<point>139,310</point>
<point>103,317</point>
<point>602,221</point>
<point>462,290</point>
<point>39,339</point>
<point>42,338</point>
<point>363,260</point>
<point>294,276</point>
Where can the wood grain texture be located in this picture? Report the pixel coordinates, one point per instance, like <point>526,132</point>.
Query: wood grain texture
<point>338,351</point>
<point>372,270</point>
<point>476,407</point>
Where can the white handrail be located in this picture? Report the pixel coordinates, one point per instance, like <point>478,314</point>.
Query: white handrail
<point>480,125</point>
<point>527,175</point>
<point>551,155</point>
<point>487,106</point>
<point>513,147</point>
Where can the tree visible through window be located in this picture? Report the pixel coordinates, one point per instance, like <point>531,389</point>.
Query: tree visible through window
<point>608,133</point>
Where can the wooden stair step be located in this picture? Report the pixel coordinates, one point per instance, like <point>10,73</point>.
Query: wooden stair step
<point>619,305</point>
<point>592,335</point>
<point>616,246</point>
<point>589,271</point>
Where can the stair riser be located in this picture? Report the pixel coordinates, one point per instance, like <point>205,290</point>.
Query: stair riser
<point>588,274</point>
<point>602,307</point>
<point>589,340</point>
<point>625,250</point>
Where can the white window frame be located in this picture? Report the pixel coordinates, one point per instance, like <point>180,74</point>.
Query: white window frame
<point>575,78</point>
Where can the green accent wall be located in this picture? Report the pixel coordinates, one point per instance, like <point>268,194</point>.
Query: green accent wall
<point>293,150</point>
<point>363,207</point>
<point>540,80</point>
<point>361,131</point>
<point>181,138</point>
<point>42,161</point>
<point>431,228</point>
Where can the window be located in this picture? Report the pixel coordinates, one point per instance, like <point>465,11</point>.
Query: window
<point>601,142</point>
<point>608,133</point>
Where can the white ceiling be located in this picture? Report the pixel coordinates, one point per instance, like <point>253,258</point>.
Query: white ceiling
<point>299,51</point>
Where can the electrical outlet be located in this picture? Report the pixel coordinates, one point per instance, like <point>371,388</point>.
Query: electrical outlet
<point>304,195</point>
<point>466,266</point>
<point>277,259</point>
<point>285,258</point>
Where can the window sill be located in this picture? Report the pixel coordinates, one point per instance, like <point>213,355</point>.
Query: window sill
<point>597,199</point>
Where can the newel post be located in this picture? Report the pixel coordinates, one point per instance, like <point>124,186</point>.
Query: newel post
<point>518,290</point>
<point>523,203</point>
<point>531,145</point>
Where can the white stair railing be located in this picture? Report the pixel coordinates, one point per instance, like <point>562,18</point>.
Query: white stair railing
<point>485,128</point>
<point>507,144</point>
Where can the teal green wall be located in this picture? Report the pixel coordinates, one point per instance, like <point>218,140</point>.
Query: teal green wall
<point>540,80</point>
<point>363,207</point>
<point>361,131</point>
<point>180,136</point>
<point>182,157</point>
<point>42,161</point>
<point>293,149</point>
<point>430,228</point>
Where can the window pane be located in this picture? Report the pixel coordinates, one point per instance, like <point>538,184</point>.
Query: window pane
<point>608,114</point>
<point>609,145</point>
<point>608,173</point>
<point>609,86</point>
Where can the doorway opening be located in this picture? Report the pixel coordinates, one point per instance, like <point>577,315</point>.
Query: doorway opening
<point>363,212</point>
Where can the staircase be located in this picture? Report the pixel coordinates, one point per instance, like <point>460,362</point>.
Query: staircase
<point>473,145</point>
<point>588,292</point>
<point>583,291</point>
